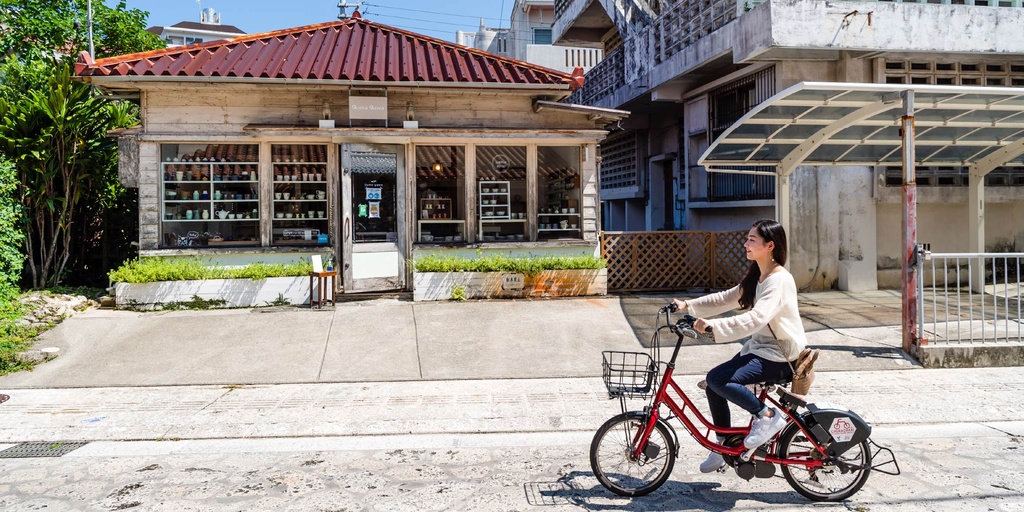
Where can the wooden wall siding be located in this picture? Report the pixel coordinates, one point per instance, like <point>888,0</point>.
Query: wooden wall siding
<point>149,195</point>
<point>228,110</point>
<point>673,260</point>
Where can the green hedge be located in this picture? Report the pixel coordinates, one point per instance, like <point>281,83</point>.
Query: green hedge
<point>12,235</point>
<point>152,270</point>
<point>499,263</point>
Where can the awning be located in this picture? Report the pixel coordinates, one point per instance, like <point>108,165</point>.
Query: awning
<point>815,123</point>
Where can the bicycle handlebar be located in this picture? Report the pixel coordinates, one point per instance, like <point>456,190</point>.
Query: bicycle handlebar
<point>685,323</point>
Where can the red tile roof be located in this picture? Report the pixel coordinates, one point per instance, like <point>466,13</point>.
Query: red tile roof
<point>350,50</point>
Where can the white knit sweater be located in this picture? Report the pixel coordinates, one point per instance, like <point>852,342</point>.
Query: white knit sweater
<point>774,304</point>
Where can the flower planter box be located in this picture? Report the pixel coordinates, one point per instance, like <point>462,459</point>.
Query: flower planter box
<point>237,293</point>
<point>484,285</point>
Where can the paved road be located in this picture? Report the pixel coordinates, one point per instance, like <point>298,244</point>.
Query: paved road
<point>962,467</point>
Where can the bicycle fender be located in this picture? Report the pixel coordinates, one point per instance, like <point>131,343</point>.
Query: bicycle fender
<point>836,428</point>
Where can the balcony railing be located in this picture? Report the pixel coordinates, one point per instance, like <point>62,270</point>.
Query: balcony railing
<point>740,187</point>
<point>685,22</point>
<point>603,79</point>
<point>560,7</point>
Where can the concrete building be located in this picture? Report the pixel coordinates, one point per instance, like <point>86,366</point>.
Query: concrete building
<point>689,69</point>
<point>208,29</point>
<point>529,39</point>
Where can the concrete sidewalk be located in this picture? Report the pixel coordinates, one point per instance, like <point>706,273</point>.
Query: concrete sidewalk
<point>389,340</point>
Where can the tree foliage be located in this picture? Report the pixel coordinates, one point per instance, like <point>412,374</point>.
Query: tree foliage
<point>58,141</point>
<point>40,28</point>
<point>75,210</point>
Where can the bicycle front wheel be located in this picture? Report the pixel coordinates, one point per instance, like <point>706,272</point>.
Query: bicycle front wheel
<point>831,482</point>
<point>611,456</point>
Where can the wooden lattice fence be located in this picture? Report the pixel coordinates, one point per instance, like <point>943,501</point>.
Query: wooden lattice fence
<point>673,260</point>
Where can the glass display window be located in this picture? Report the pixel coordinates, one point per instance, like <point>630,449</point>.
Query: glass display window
<point>300,203</point>
<point>440,194</point>
<point>559,209</point>
<point>501,193</point>
<point>210,195</point>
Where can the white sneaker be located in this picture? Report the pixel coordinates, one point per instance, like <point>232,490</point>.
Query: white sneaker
<point>713,463</point>
<point>763,429</point>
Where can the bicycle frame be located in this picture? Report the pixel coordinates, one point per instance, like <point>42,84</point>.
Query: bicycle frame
<point>662,397</point>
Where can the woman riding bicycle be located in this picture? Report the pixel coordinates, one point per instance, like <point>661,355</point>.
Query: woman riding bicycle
<point>768,293</point>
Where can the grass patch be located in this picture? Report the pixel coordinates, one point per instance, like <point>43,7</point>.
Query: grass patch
<point>530,266</point>
<point>153,270</point>
<point>14,337</point>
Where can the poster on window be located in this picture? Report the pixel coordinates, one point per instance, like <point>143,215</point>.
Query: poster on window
<point>373,193</point>
<point>374,209</point>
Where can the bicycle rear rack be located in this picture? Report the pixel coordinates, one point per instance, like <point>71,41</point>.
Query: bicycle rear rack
<point>892,459</point>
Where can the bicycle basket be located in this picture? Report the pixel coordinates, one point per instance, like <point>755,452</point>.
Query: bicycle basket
<point>628,374</point>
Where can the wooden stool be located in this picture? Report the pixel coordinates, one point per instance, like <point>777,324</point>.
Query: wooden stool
<point>323,278</point>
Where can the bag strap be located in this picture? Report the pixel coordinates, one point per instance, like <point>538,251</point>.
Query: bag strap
<point>782,349</point>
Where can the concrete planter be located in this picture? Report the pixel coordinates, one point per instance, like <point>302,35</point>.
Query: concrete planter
<point>238,293</point>
<point>485,285</point>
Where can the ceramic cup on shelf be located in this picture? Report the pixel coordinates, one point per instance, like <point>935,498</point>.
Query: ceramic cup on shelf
<point>188,214</point>
<point>178,176</point>
<point>572,210</point>
<point>320,213</point>
<point>287,195</point>
<point>277,195</point>
<point>279,215</point>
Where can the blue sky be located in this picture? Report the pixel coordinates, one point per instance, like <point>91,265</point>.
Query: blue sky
<point>429,17</point>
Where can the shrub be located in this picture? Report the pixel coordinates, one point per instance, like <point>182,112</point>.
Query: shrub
<point>499,263</point>
<point>152,270</point>
<point>12,236</point>
<point>14,338</point>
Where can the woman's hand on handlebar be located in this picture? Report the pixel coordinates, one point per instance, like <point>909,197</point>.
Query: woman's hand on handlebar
<point>679,304</point>
<point>701,326</point>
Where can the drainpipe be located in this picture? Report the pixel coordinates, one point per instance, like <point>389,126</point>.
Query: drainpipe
<point>909,261</point>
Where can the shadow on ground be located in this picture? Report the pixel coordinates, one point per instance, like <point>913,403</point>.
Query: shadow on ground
<point>578,489</point>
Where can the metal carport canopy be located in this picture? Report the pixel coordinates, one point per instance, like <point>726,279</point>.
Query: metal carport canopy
<point>820,123</point>
<point>826,124</point>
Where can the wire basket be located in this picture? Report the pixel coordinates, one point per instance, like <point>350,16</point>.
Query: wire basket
<point>628,374</point>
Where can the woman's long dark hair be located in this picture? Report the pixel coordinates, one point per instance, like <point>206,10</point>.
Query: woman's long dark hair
<point>769,231</point>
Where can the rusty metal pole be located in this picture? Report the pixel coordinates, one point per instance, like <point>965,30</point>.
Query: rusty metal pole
<point>909,259</point>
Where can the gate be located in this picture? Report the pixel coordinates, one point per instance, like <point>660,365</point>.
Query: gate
<point>970,297</point>
<point>644,261</point>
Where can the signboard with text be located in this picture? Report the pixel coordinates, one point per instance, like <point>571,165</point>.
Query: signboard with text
<point>368,107</point>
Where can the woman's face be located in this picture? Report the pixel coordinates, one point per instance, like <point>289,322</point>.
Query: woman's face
<point>757,248</point>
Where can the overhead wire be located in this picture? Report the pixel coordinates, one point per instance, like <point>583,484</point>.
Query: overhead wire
<point>433,12</point>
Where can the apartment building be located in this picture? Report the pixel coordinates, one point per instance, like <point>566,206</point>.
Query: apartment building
<point>209,28</point>
<point>687,70</point>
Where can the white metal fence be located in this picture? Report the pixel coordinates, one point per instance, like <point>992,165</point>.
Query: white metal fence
<point>970,298</point>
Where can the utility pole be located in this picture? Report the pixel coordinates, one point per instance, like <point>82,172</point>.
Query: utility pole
<point>92,49</point>
<point>343,5</point>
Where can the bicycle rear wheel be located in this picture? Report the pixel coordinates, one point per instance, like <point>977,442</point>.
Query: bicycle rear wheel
<point>831,482</point>
<point>614,465</point>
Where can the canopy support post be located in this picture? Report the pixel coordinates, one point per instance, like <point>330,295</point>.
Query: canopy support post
<point>782,202</point>
<point>976,225</point>
<point>909,194</point>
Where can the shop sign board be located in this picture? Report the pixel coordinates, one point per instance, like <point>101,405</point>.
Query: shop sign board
<point>368,107</point>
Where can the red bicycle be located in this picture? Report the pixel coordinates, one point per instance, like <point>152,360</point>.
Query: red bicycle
<point>825,452</point>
